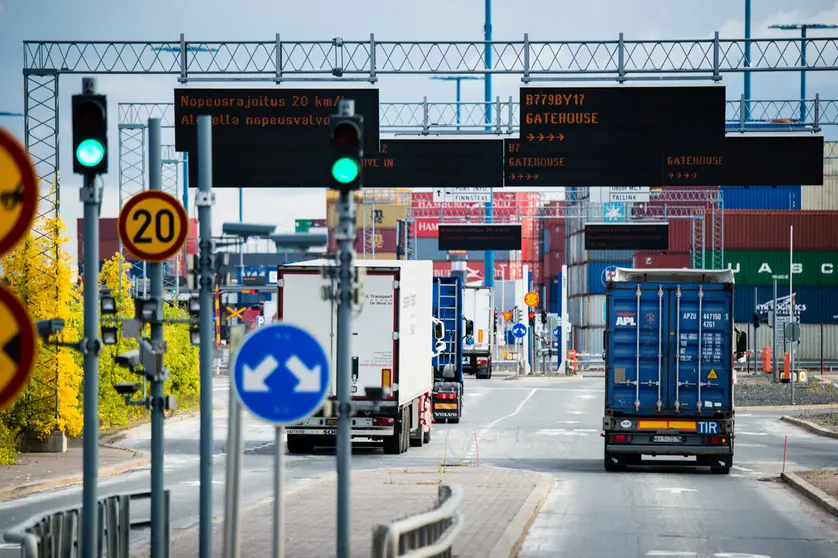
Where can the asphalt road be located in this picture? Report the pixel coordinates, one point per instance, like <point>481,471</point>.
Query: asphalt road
<point>549,425</point>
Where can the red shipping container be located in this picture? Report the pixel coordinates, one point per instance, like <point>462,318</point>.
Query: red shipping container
<point>384,240</point>
<point>769,230</point>
<point>504,271</point>
<point>662,260</point>
<point>108,229</point>
<point>529,239</point>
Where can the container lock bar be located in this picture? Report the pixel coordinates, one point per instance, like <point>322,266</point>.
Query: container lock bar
<point>700,332</point>
<point>678,349</point>
<point>638,294</point>
<point>660,344</point>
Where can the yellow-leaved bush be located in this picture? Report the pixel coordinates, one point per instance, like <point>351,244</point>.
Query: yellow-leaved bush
<point>39,271</point>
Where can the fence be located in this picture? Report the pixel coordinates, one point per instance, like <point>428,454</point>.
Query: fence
<point>57,533</point>
<point>427,535</point>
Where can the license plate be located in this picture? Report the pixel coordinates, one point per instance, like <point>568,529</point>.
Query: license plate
<point>667,439</point>
<point>331,422</point>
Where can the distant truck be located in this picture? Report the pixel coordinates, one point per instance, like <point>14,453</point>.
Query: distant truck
<point>391,348</point>
<point>448,362</point>
<point>479,340</point>
<point>669,350</point>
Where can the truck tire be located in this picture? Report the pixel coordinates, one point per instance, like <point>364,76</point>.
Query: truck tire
<point>611,466</point>
<point>396,444</point>
<point>299,444</point>
<point>419,440</point>
<point>426,437</point>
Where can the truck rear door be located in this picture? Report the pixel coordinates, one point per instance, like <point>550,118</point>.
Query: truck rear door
<point>373,346</point>
<point>700,331</point>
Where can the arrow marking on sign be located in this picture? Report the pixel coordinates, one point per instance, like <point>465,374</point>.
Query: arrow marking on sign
<point>676,490</point>
<point>254,378</point>
<point>308,379</point>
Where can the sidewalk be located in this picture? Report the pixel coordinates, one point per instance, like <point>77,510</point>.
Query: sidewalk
<point>499,506</point>
<point>35,472</point>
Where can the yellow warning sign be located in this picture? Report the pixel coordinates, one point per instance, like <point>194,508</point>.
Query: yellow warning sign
<point>712,374</point>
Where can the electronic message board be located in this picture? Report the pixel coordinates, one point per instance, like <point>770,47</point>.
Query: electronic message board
<point>635,119</point>
<point>747,161</point>
<point>399,163</point>
<point>626,236</point>
<point>247,121</point>
<point>494,236</point>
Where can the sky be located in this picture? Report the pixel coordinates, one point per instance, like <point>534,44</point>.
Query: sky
<point>446,20</point>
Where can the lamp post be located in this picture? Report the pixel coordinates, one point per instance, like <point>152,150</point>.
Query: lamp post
<point>802,27</point>
<point>458,80</point>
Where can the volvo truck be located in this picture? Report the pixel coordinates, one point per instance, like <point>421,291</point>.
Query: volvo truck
<point>479,334</point>
<point>669,351</point>
<point>391,350</point>
<point>448,361</point>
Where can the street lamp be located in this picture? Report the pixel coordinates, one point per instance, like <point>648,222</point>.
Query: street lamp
<point>458,79</point>
<point>802,27</point>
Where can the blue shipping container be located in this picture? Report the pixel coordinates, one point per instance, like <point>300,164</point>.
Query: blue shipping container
<point>700,351</point>
<point>555,298</point>
<point>448,307</point>
<point>599,272</point>
<point>814,305</point>
<point>780,198</point>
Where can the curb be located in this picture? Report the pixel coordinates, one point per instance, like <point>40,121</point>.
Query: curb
<point>786,407</point>
<point>814,494</point>
<point>140,459</point>
<point>515,534</point>
<point>811,427</point>
<point>109,439</point>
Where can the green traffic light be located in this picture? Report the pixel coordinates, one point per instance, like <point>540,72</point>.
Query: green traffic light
<point>90,153</point>
<point>345,170</point>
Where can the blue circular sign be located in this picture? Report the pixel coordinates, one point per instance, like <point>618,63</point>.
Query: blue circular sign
<point>281,373</point>
<point>519,330</point>
<point>556,332</point>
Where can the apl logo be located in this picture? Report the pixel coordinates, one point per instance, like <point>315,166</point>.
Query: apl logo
<point>609,274</point>
<point>626,319</point>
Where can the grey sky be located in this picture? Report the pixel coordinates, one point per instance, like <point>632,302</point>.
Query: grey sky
<point>323,19</point>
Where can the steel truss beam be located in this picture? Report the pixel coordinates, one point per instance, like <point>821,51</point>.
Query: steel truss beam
<point>426,118</point>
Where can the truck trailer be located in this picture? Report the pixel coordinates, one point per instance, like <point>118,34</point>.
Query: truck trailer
<point>448,362</point>
<point>669,350</point>
<point>391,349</point>
<point>479,341</point>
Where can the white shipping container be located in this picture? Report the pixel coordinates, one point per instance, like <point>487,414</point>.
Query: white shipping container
<point>813,198</point>
<point>594,307</point>
<point>810,341</point>
<point>387,309</point>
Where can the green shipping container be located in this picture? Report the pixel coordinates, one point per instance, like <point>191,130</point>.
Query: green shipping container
<point>758,267</point>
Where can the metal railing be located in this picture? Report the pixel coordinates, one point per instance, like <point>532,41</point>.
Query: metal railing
<point>57,533</point>
<point>428,535</point>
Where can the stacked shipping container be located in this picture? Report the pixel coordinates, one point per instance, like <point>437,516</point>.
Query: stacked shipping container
<point>552,248</point>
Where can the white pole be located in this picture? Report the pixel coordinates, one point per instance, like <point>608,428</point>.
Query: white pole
<point>565,329</point>
<point>791,306</point>
<point>501,333</point>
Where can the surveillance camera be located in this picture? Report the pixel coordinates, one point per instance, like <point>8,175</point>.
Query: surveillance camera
<point>48,328</point>
<point>126,389</point>
<point>129,360</point>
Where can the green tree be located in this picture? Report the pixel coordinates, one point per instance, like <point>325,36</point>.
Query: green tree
<point>181,359</point>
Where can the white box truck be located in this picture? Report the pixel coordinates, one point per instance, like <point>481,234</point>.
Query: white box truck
<point>392,347</point>
<point>479,314</point>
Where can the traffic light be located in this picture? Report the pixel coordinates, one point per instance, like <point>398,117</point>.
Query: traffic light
<point>544,316</point>
<point>90,134</point>
<point>346,135</point>
<point>496,319</point>
<point>516,315</point>
<point>531,316</point>
<point>755,320</point>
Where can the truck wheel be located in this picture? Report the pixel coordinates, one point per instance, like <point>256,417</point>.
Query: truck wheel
<point>299,444</point>
<point>426,437</point>
<point>419,440</point>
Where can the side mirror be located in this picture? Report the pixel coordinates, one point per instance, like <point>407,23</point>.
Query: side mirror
<point>469,328</point>
<point>439,330</point>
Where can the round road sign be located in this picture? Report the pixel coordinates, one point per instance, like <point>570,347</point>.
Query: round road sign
<point>18,192</point>
<point>531,299</point>
<point>17,347</point>
<point>153,226</point>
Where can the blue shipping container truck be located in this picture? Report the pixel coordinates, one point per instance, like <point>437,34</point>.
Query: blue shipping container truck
<point>448,363</point>
<point>669,343</point>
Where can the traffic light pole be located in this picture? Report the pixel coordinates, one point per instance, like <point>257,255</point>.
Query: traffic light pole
<point>345,237</point>
<point>91,197</point>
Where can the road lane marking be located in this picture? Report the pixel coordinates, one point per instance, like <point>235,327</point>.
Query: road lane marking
<point>739,432</point>
<point>744,445</point>
<point>740,468</point>
<point>676,490</point>
<point>576,412</point>
<point>478,435</point>
<point>683,553</point>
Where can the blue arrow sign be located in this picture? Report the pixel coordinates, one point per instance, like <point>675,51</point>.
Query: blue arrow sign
<point>519,330</point>
<point>556,332</point>
<point>281,373</point>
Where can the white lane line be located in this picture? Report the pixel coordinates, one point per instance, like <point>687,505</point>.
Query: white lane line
<point>745,415</point>
<point>473,394</point>
<point>744,445</point>
<point>740,468</point>
<point>671,553</point>
<point>569,421</point>
<point>510,415</point>
<point>576,412</point>
<point>738,432</point>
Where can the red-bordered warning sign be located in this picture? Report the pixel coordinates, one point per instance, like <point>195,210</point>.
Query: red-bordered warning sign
<point>18,192</point>
<point>17,347</point>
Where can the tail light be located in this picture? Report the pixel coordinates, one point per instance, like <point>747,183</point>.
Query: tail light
<point>481,361</point>
<point>446,396</point>
<point>386,378</point>
<point>383,422</point>
<point>717,440</point>
<point>619,438</point>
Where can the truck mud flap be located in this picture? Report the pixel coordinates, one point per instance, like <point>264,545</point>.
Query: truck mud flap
<point>447,403</point>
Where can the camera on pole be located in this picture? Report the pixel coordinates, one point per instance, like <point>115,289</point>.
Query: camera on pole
<point>346,137</point>
<point>90,134</point>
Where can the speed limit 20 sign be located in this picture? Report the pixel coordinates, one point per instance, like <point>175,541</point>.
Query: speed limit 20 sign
<point>153,226</point>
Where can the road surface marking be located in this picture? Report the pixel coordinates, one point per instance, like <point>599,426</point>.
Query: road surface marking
<point>671,553</point>
<point>198,483</point>
<point>576,412</point>
<point>738,432</point>
<point>479,435</point>
<point>560,432</point>
<point>585,396</point>
<point>740,468</point>
<point>744,445</point>
<point>738,555</point>
<point>473,394</point>
<point>569,421</point>
<point>675,490</point>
